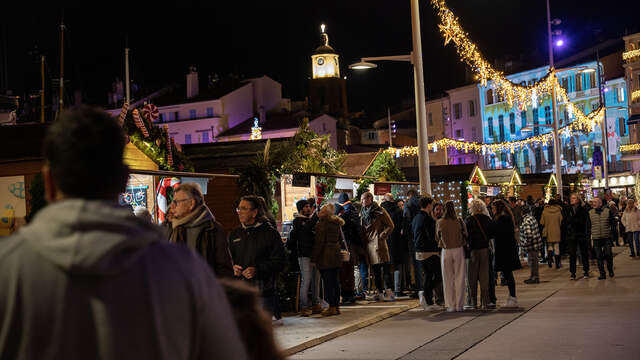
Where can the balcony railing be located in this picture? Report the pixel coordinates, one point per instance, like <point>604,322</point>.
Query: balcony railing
<point>635,96</point>
<point>631,55</point>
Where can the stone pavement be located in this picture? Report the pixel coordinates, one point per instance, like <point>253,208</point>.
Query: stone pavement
<point>558,318</point>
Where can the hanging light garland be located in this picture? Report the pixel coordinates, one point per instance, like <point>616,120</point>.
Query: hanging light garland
<point>631,147</point>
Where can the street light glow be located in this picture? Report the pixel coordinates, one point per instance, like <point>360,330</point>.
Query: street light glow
<point>363,65</point>
<point>560,43</point>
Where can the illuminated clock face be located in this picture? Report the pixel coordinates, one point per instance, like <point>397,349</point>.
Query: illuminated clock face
<point>320,61</point>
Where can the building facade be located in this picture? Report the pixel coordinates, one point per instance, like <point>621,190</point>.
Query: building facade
<point>631,60</point>
<point>463,121</point>
<point>502,122</point>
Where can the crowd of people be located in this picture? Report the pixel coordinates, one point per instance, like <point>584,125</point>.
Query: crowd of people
<point>109,281</point>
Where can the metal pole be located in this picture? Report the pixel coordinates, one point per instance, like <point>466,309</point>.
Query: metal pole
<point>389,121</point>
<point>603,126</point>
<point>556,142</point>
<point>42,89</point>
<point>61,100</point>
<point>421,120</point>
<point>126,75</point>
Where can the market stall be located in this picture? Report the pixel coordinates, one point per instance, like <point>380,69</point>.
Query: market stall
<point>621,184</point>
<point>494,182</point>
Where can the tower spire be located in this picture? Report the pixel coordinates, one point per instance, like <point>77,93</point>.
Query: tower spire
<point>325,37</point>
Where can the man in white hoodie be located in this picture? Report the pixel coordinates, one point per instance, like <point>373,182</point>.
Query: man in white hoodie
<point>89,280</point>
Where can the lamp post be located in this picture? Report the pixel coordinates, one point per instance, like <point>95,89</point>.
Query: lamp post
<point>556,143</point>
<point>421,120</point>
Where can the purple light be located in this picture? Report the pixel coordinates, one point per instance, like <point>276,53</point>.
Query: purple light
<point>606,89</point>
<point>559,43</point>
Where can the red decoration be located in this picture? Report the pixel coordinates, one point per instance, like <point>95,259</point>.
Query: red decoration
<point>150,112</point>
<point>139,123</point>
<point>123,113</point>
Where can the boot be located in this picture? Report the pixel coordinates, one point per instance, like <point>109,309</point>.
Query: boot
<point>558,259</point>
<point>316,309</point>
<point>330,311</point>
<point>306,312</point>
<point>550,258</point>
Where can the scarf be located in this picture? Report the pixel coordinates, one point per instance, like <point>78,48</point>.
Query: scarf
<point>368,214</point>
<point>175,223</point>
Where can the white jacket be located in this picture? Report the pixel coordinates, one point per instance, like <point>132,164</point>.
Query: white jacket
<point>89,280</point>
<point>631,220</point>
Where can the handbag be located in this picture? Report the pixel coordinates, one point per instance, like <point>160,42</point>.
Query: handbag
<point>344,253</point>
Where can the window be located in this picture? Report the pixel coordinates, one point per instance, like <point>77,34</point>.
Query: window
<point>525,155</point>
<point>192,114</point>
<point>372,135</point>
<point>592,80</point>
<point>209,112</point>
<point>565,84</point>
<point>472,108</point>
<point>205,136</point>
<point>622,126</point>
<point>459,160</point>
<point>501,127</point>
<point>172,116</point>
<point>493,162</point>
<point>523,118</point>
<point>473,134</point>
<point>161,118</point>
<point>565,116</point>
<point>430,119</point>
<point>512,123</point>
<point>177,116</point>
<point>503,160</point>
<point>620,94</point>
<point>536,129</point>
<point>187,138</point>
<point>550,154</point>
<point>538,159</point>
<point>457,111</point>
<point>459,134</point>
<point>579,80</point>
<point>488,96</point>
<point>500,97</point>
<point>490,126</point>
<point>547,115</point>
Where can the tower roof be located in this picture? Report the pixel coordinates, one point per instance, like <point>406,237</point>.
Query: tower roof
<point>325,48</point>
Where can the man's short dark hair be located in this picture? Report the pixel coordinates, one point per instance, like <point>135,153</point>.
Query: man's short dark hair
<point>425,201</point>
<point>412,192</point>
<point>194,192</point>
<point>84,149</point>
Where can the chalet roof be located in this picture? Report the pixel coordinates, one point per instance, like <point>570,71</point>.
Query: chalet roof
<point>358,164</point>
<point>498,176</point>
<point>223,156</point>
<point>442,172</point>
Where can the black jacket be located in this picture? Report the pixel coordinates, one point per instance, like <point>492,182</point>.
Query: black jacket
<point>423,229</point>
<point>506,252</point>
<point>259,246</point>
<point>576,222</point>
<point>397,242</point>
<point>477,240</point>
<point>302,234</point>
<point>411,209</point>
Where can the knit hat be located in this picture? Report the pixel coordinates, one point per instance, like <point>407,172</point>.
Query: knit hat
<point>301,204</point>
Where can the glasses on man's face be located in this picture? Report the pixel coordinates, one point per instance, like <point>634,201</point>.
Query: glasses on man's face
<point>175,202</point>
<point>242,208</point>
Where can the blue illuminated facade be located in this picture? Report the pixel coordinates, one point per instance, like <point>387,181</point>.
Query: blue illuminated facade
<point>502,122</point>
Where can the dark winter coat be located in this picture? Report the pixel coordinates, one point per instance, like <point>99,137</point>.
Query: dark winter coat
<point>302,234</point>
<point>353,233</point>
<point>376,233</point>
<point>411,209</point>
<point>397,242</point>
<point>259,246</point>
<point>424,230</point>
<point>476,238</point>
<point>506,252</point>
<point>576,223</point>
<point>327,244</point>
<point>206,236</point>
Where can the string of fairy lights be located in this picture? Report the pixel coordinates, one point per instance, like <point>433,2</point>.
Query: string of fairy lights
<point>521,95</point>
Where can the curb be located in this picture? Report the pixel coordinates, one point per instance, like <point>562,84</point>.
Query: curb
<point>349,328</point>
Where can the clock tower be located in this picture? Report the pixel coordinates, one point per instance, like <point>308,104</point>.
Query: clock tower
<point>327,90</point>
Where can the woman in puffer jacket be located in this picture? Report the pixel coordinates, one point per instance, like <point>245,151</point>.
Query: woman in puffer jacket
<point>327,257</point>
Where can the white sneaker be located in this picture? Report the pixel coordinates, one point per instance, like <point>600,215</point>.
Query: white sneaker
<point>423,303</point>
<point>468,307</point>
<point>375,297</point>
<point>432,307</point>
<point>511,302</point>
<point>389,296</point>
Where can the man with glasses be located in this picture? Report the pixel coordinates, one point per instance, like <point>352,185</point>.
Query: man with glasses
<point>194,225</point>
<point>257,251</point>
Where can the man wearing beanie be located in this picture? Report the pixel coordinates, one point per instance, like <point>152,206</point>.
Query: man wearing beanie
<point>302,235</point>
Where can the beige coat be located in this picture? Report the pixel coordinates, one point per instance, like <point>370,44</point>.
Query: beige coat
<point>450,233</point>
<point>551,220</point>
<point>376,235</point>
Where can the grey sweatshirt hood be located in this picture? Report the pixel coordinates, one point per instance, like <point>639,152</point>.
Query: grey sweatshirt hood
<point>89,237</point>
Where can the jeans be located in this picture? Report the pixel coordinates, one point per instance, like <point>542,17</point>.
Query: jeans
<point>573,255</point>
<point>331,287</point>
<point>479,271</point>
<point>417,266</point>
<point>272,303</point>
<point>633,238</point>
<point>492,278</point>
<point>364,276</point>
<point>398,278</point>
<point>310,279</point>
<point>603,252</point>
<point>432,277</point>
<point>532,259</point>
<point>382,276</point>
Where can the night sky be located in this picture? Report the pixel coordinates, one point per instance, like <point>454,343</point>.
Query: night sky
<point>277,39</point>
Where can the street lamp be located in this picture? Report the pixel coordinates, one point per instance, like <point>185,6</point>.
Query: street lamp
<point>556,144</point>
<point>418,74</point>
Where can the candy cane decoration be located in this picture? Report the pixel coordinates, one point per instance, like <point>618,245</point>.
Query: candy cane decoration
<point>123,113</point>
<point>139,123</point>
<point>169,148</point>
<point>163,185</point>
<point>150,112</point>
